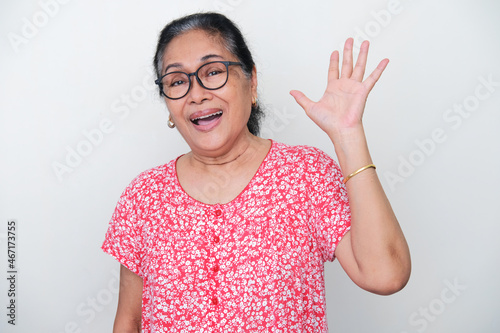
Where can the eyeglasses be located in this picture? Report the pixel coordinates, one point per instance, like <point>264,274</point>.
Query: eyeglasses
<point>212,76</point>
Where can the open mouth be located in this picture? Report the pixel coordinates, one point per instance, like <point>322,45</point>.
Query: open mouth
<point>205,120</point>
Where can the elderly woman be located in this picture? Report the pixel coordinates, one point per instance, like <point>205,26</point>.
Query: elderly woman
<point>233,235</point>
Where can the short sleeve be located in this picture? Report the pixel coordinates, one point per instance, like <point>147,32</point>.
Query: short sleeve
<point>330,205</point>
<point>123,239</point>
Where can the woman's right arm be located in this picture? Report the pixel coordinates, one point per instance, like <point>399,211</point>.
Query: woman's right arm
<point>128,314</point>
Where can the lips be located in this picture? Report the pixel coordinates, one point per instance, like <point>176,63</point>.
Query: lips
<point>206,118</point>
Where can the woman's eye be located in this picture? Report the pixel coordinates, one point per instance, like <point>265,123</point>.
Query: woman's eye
<point>177,83</point>
<point>214,72</point>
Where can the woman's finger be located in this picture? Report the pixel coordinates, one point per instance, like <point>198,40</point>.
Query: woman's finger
<point>333,70</point>
<point>347,59</point>
<point>375,75</point>
<point>359,69</point>
<point>302,100</point>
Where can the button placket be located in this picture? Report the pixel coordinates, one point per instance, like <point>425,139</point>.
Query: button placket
<point>216,237</point>
<point>218,224</point>
<point>215,268</point>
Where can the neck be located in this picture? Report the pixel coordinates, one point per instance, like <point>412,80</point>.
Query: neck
<point>204,162</point>
<point>240,152</point>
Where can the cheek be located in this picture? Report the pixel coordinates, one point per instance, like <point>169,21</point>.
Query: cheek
<point>241,101</point>
<point>242,93</point>
<point>172,106</point>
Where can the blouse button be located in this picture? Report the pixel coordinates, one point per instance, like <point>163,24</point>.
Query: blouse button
<point>215,301</point>
<point>216,239</point>
<point>216,268</point>
<point>218,212</point>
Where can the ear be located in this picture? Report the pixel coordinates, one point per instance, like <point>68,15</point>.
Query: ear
<point>253,81</point>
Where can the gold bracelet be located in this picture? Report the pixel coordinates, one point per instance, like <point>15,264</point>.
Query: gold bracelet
<point>358,171</point>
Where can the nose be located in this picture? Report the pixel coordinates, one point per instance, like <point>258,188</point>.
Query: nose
<point>197,93</point>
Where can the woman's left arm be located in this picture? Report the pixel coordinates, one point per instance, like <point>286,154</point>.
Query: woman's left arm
<point>374,253</point>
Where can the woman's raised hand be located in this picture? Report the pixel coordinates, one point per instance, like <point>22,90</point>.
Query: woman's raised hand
<point>342,105</point>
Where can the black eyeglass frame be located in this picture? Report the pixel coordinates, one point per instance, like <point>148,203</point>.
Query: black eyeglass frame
<point>195,74</point>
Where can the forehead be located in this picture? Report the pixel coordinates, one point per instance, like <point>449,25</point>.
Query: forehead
<point>188,49</point>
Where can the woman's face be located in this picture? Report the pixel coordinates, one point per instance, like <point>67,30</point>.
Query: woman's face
<point>225,111</point>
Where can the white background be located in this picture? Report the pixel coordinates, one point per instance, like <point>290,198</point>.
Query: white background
<point>68,67</point>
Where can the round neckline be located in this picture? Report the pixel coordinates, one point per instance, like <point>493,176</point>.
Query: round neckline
<point>252,180</point>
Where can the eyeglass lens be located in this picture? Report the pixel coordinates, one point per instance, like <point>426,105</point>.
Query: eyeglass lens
<point>212,75</point>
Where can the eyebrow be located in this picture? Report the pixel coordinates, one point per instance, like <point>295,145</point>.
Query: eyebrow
<point>203,59</point>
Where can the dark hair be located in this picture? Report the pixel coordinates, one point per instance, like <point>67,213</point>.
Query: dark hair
<point>217,25</point>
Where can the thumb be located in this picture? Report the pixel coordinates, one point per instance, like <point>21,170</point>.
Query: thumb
<point>302,100</point>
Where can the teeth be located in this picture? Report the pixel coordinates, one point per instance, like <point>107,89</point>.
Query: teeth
<point>209,115</point>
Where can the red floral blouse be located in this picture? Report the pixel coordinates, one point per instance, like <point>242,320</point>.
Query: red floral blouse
<point>254,264</point>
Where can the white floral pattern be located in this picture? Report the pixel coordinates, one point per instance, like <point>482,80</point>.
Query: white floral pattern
<point>254,264</point>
